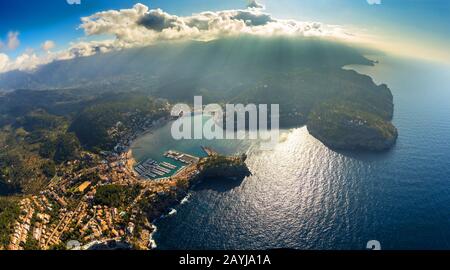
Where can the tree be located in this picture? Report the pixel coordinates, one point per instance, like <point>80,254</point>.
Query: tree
<point>48,168</point>
<point>67,148</point>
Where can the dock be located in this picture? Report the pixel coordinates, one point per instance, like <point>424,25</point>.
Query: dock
<point>152,169</point>
<point>182,157</point>
<point>209,151</point>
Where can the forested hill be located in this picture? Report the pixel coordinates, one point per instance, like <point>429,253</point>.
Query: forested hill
<point>44,134</point>
<point>341,108</point>
<point>214,62</point>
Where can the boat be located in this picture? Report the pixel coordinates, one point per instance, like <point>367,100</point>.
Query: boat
<point>168,165</point>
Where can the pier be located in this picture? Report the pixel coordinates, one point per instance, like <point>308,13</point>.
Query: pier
<point>209,151</point>
<point>152,169</point>
<point>182,157</point>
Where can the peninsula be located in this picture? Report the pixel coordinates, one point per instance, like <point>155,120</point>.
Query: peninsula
<point>65,170</point>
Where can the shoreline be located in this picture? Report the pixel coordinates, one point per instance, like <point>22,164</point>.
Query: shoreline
<point>178,185</point>
<point>129,161</point>
<point>127,155</point>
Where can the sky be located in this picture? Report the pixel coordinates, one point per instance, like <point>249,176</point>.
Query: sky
<point>37,32</point>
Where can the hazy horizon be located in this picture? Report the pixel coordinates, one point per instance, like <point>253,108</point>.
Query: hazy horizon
<point>36,33</point>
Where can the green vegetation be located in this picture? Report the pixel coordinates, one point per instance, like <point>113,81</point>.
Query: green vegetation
<point>64,147</point>
<point>31,244</point>
<point>32,145</point>
<point>99,127</point>
<point>64,102</point>
<point>20,170</point>
<point>41,130</point>
<point>70,235</point>
<point>36,138</point>
<point>92,177</point>
<point>49,169</point>
<point>217,161</point>
<point>67,147</point>
<point>342,125</point>
<point>9,211</point>
<point>155,205</point>
<point>180,70</point>
<point>39,120</point>
<point>299,91</point>
<point>46,135</point>
<point>115,195</point>
<point>59,246</point>
<point>223,167</point>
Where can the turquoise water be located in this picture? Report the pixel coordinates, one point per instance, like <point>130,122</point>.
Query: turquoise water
<point>154,145</point>
<point>306,196</point>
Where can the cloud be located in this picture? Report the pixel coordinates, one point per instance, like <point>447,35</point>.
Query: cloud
<point>30,60</point>
<point>252,18</point>
<point>12,41</point>
<point>26,61</point>
<point>158,20</point>
<point>4,60</point>
<point>140,26</point>
<point>374,2</point>
<point>88,48</point>
<point>255,4</point>
<point>48,45</point>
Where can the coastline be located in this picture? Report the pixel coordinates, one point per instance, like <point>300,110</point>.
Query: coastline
<point>127,155</point>
<point>129,161</point>
<point>176,186</point>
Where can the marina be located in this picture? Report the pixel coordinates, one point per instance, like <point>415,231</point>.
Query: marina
<point>182,157</point>
<point>153,169</point>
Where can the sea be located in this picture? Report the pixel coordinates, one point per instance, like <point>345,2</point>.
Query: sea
<point>305,196</point>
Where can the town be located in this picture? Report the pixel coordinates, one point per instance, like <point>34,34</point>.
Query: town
<point>69,210</point>
<point>106,199</point>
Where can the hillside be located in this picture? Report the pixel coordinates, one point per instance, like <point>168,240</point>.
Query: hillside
<point>47,138</point>
<point>155,67</point>
<point>301,75</point>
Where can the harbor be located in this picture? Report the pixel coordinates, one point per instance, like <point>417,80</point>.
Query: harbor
<point>154,170</point>
<point>182,157</point>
